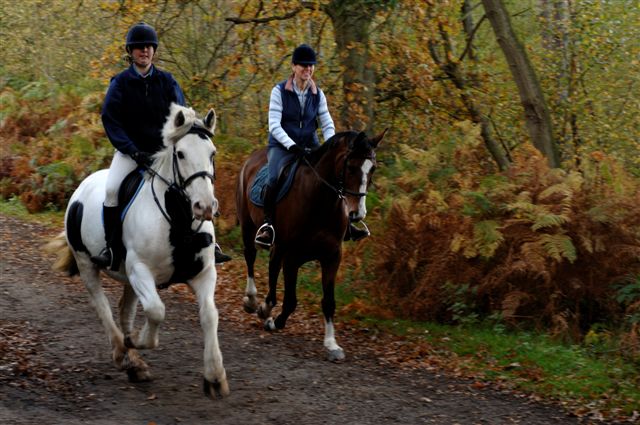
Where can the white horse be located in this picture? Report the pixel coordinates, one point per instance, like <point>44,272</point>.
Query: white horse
<point>169,237</point>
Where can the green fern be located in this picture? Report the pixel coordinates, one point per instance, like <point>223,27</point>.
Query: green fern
<point>559,246</point>
<point>545,220</point>
<point>487,237</point>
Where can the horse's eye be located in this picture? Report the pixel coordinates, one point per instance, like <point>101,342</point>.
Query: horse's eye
<point>180,155</point>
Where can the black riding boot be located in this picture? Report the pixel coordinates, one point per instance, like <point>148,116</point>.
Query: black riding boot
<point>110,256</point>
<point>221,257</point>
<point>355,234</point>
<point>266,234</point>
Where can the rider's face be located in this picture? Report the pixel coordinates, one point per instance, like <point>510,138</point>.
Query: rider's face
<point>142,56</point>
<point>303,73</point>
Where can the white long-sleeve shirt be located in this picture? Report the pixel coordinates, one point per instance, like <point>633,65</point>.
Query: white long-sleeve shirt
<point>275,114</point>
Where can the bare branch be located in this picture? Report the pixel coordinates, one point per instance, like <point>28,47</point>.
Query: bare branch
<point>267,19</point>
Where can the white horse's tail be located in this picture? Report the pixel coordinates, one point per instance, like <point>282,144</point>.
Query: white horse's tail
<point>65,261</point>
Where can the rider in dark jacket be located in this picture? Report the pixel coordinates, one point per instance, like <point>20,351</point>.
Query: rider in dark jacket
<point>133,114</point>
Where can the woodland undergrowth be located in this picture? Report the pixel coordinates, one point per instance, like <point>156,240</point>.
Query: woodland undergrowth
<point>532,247</point>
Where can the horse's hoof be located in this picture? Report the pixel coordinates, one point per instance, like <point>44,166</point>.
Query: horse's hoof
<point>250,305</point>
<point>269,324</point>
<point>220,389</point>
<point>139,375</point>
<point>263,311</point>
<point>335,355</point>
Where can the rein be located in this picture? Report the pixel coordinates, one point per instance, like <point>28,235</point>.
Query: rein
<point>177,176</point>
<point>340,190</point>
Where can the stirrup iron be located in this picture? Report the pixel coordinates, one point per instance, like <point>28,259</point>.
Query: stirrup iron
<point>265,244</point>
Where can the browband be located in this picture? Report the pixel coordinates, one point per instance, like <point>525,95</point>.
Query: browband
<point>196,129</point>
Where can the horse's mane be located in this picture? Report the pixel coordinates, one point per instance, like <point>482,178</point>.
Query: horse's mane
<point>171,133</point>
<point>332,143</point>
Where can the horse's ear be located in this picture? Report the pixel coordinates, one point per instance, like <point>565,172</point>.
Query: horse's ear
<point>179,120</point>
<point>210,120</point>
<point>377,139</point>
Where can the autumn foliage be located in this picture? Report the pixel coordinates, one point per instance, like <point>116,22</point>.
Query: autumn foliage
<point>532,246</point>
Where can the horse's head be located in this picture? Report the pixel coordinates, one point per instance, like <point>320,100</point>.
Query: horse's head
<point>354,167</point>
<point>191,153</point>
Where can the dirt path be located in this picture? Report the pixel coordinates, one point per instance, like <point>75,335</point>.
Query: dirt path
<point>55,365</point>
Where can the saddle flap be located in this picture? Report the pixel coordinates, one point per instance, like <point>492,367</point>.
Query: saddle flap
<point>287,174</point>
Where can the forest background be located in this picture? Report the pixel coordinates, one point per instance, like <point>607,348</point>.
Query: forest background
<point>509,180</point>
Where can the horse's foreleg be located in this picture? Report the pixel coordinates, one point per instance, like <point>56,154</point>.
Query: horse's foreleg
<point>329,272</point>
<point>270,301</point>
<point>290,301</point>
<point>250,299</point>
<point>144,286</point>
<point>215,377</point>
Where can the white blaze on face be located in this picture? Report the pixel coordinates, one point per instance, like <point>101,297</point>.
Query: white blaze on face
<point>367,165</point>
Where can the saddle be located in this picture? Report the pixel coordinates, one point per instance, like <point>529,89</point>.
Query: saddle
<point>285,179</point>
<point>129,189</point>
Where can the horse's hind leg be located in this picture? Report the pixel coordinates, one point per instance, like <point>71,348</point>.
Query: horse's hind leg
<point>250,299</point>
<point>270,301</point>
<point>123,358</point>
<point>127,306</point>
<point>215,377</point>
<point>329,272</point>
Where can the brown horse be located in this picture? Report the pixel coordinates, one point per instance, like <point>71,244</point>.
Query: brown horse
<point>310,222</point>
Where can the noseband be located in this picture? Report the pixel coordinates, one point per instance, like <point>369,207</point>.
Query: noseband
<point>179,183</point>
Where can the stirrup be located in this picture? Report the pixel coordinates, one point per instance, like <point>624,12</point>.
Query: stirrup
<point>220,257</point>
<point>104,259</point>
<point>360,234</point>
<point>266,227</point>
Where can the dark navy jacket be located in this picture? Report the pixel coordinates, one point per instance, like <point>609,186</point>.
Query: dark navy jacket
<point>135,109</point>
<point>301,127</point>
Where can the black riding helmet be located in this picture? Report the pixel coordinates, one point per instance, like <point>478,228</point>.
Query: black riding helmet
<point>304,55</point>
<point>142,34</point>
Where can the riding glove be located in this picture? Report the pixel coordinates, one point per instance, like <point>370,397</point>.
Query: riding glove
<point>297,150</point>
<point>142,158</point>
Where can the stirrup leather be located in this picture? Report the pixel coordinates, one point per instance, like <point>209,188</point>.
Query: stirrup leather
<point>266,227</point>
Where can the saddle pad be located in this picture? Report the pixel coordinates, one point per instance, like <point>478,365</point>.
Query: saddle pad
<point>255,194</point>
<point>129,189</point>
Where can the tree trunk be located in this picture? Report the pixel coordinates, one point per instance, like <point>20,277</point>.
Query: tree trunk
<point>537,115</point>
<point>351,23</point>
<point>464,82</point>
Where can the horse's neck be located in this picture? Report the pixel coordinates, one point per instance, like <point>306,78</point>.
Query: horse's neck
<point>326,170</point>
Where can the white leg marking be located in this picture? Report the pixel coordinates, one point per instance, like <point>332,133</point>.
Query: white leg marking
<point>329,337</point>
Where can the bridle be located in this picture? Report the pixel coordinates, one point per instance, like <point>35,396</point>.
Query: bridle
<point>339,188</point>
<point>179,183</point>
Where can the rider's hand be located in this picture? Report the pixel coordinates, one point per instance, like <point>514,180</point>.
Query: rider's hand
<point>142,158</point>
<point>297,150</point>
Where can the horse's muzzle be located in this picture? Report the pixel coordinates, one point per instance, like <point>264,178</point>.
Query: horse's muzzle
<point>355,216</point>
<point>205,213</point>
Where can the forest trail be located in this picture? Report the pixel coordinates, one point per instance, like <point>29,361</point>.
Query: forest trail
<point>55,363</point>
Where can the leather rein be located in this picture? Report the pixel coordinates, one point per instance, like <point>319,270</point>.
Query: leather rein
<point>339,189</point>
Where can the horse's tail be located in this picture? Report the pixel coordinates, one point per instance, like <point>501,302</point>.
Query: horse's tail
<point>65,261</point>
